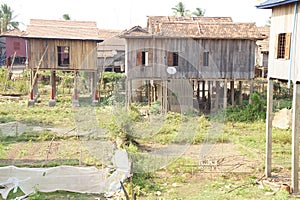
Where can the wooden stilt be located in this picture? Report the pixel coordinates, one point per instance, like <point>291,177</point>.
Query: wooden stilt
<point>52,100</point>
<point>165,96</point>
<point>203,89</point>
<point>75,101</point>
<point>225,94</point>
<point>269,119</point>
<point>295,138</point>
<point>217,97</point>
<point>31,95</point>
<point>251,90</point>
<point>232,93</point>
<point>209,95</point>
<point>240,93</point>
<point>94,89</point>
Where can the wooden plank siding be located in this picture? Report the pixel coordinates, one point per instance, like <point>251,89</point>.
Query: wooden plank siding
<point>230,59</point>
<point>82,54</point>
<point>282,21</point>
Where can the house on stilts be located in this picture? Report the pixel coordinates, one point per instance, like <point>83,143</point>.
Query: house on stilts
<point>284,58</point>
<point>188,63</point>
<point>61,45</point>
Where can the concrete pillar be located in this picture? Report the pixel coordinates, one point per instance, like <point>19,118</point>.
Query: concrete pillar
<point>75,101</point>
<point>295,138</point>
<point>52,101</point>
<point>269,119</point>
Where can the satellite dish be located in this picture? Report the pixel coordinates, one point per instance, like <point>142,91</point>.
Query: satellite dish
<point>171,70</point>
<point>114,52</point>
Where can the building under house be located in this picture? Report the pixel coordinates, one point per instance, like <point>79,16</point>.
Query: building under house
<point>189,62</point>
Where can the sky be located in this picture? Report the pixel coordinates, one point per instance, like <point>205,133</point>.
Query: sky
<point>124,14</point>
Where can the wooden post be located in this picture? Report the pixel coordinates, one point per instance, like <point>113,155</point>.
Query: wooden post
<point>269,119</point>
<point>31,100</point>
<point>52,100</point>
<point>217,97</point>
<point>225,94</point>
<point>35,86</point>
<point>127,93</point>
<point>251,90</point>
<point>240,93</point>
<point>203,89</point>
<point>295,138</point>
<point>75,101</point>
<point>165,96</point>
<point>198,90</point>
<point>232,93</point>
<point>209,95</point>
<point>94,89</point>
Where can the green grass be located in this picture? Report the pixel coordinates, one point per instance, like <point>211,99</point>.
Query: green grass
<point>178,180</point>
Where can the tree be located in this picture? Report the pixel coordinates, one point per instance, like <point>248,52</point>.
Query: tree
<point>180,10</point>
<point>6,19</point>
<point>66,17</point>
<point>199,12</point>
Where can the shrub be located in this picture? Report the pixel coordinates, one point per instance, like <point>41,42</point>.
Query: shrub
<point>247,113</point>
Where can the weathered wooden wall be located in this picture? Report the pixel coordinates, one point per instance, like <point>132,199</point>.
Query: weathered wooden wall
<point>83,54</point>
<point>282,21</point>
<point>230,59</point>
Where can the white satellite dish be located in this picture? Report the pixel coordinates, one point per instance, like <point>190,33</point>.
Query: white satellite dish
<point>171,70</point>
<point>114,52</point>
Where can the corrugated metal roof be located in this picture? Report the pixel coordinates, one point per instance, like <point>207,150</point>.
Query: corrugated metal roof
<point>273,3</point>
<point>62,29</point>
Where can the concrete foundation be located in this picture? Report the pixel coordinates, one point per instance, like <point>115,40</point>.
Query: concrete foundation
<point>52,103</point>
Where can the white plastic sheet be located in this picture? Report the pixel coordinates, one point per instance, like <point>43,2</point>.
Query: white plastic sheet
<point>67,178</point>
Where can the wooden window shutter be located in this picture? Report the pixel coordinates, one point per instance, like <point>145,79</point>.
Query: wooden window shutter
<point>201,59</point>
<point>139,58</point>
<point>170,58</point>
<point>287,45</point>
<point>276,46</point>
<point>150,57</point>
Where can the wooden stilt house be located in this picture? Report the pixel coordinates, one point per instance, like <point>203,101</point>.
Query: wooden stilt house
<point>284,58</point>
<point>189,62</point>
<point>61,45</point>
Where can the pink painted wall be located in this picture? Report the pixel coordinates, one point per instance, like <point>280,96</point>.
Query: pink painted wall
<point>14,44</point>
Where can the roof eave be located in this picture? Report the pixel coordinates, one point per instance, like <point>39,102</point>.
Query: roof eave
<point>271,5</point>
<point>188,37</point>
<point>57,38</point>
